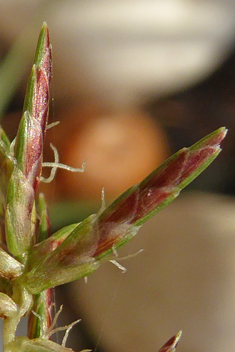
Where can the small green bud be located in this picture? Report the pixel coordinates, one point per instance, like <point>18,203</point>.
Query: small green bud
<point>10,268</point>
<point>8,307</point>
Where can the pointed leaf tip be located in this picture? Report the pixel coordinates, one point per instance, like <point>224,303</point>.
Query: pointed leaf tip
<point>213,139</point>
<point>170,345</point>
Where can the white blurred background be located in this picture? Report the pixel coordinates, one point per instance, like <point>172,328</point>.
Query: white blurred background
<point>124,51</point>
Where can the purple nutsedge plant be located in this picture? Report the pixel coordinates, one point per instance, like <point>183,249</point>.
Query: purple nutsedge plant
<point>32,263</point>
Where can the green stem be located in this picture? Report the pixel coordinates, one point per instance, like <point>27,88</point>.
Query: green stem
<point>24,302</point>
<point>9,329</point>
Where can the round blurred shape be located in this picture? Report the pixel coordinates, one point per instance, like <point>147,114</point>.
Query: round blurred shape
<point>120,149</point>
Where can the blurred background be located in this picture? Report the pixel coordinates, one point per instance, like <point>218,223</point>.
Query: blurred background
<point>133,82</point>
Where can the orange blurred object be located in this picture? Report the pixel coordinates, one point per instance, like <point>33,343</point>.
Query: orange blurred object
<point>120,149</point>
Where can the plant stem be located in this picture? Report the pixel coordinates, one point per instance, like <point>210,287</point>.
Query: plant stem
<point>24,302</point>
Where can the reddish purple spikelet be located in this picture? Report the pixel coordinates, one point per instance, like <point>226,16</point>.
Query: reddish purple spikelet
<point>29,142</point>
<point>43,79</point>
<point>170,346</point>
<point>164,184</point>
<point>28,154</point>
<point>40,109</point>
<point>78,250</point>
